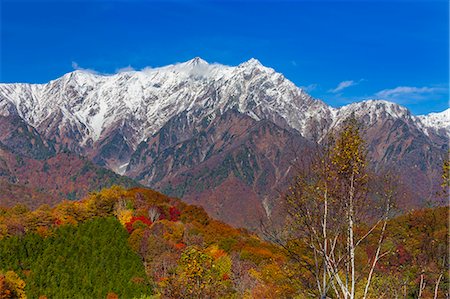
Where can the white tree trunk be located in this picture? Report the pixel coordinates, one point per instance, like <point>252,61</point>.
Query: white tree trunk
<point>380,241</point>
<point>351,241</point>
<point>325,243</point>
<point>436,288</point>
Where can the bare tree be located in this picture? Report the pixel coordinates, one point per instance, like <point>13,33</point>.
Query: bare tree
<point>153,214</point>
<point>326,201</point>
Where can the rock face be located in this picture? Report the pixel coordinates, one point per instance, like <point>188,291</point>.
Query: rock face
<point>63,176</point>
<point>32,173</point>
<point>232,165</point>
<point>220,136</point>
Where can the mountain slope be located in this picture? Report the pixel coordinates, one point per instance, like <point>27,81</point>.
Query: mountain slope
<point>232,166</point>
<point>172,128</point>
<point>83,112</point>
<point>22,139</point>
<point>397,142</point>
<point>63,176</point>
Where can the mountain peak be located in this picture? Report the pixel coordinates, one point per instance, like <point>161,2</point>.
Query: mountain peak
<point>252,62</point>
<point>196,61</point>
<point>80,77</point>
<point>375,107</point>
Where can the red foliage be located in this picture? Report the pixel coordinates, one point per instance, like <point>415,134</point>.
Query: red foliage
<point>403,255</point>
<point>143,219</point>
<point>161,279</point>
<point>180,246</point>
<point>174,214</point>
<point>58,222</point>
<point>129,227</point>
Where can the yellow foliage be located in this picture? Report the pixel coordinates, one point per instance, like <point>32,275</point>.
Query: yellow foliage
<point>256,254</point>
<point>114,192</point>
<point>446,174</point>
<point>12,284</point>
<point>215,252</point>
<point>43,231</point>
<point>173,231</point>
<point>3,229</point>
<point>70,212</point>
<point>349,152</point>
<point>198,275</point>
<point>223,265</point>
<point>274,282</point>
<point>247,295</point>
<point>124,216</point>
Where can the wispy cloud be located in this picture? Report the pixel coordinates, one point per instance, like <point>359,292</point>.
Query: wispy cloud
<point>410,95</point>
<point>77,67</point>
<point>147,69</point>
<point>411,91</point>
<point>125,69</point>
<point>343,85</point>
<point>309,87</point>
<point>294,63</point>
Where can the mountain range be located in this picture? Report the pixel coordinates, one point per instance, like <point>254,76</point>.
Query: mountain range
<point>219,136</point>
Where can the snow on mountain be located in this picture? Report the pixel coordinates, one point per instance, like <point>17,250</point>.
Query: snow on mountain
<point>174,110</point>
<point>86,107</point>
<point>436,121</point>
<point>145,100</point>
<point>372,111</point>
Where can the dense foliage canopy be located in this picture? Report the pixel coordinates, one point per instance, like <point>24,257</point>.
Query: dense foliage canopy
<point>138,243</point>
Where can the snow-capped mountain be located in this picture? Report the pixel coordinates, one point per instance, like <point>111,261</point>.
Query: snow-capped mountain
<point>147,99</point>
<point>143,101</point>
<point>372,111</point>
<point>80,108</point>
<point>145,123</point>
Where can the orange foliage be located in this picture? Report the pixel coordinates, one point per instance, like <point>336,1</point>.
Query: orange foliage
<point>112,295</point>
<point>44,231</point>
<point>180,246</point>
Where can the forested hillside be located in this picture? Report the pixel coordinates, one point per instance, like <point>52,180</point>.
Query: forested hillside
<point>138,243</point>
<point>85,261</point>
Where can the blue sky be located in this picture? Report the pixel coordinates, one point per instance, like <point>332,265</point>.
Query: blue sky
<point>340,51</point>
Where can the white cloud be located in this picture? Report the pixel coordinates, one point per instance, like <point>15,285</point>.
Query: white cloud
<point>343,85</point>
<point>406,90</point>
<point>309,87</point>
<point>125,69</point>
<point>411,94</point>
<point>77,67</point>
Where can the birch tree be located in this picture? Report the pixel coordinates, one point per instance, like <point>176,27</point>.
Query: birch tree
<point>326,201</point>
